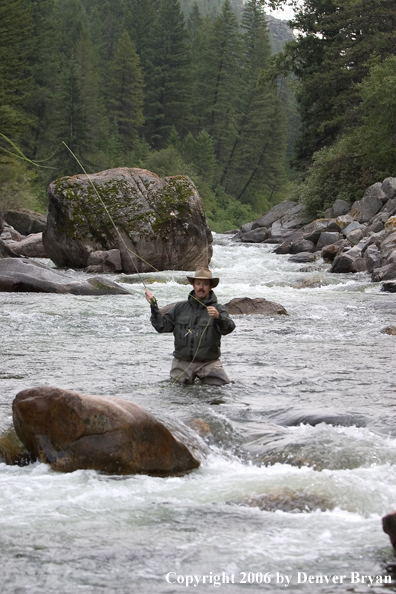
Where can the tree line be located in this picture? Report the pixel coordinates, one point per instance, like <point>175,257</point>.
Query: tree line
<point>192,88</point>
<point>344,61</point>
<point>143,83</point>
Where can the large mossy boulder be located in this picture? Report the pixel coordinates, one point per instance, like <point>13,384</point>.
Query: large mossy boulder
<point>161,221</point>
<point>72,431</point>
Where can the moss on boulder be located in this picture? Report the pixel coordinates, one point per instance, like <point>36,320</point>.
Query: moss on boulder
<point>161,222</point>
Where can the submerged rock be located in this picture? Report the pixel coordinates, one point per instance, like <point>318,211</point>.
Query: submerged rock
<point>259,305</point>
<point>389,330</point>
<point>22,275</point>
<point>287,500</point>
<point>72,431</point>
<point>389,287</point>
<point>161,221</point>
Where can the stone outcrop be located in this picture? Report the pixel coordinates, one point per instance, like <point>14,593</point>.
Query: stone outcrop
<point>101,261</point>
<point>6,252</point>
<point>72,431</point>
<point>161,221</point>
<point>31,246</point>
<point>361,238</point>
<point>26,221</point>
<point>259,305</point>
<point>22,275</point>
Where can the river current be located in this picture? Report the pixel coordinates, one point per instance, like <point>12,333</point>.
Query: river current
<point>298,452</point>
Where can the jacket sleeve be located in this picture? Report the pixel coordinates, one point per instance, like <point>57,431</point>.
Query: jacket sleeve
<point>162,323</point>
<point>225,323</point>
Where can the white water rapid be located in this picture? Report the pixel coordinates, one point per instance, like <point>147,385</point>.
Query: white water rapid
<point>307,427</point>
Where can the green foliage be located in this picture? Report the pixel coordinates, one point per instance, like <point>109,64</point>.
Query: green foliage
<point>15,35</point>
<point>126,83</point>
<point>167,161</point>
<point>255,161</point>
<point>167,75</point>
<point>17,186</point>
<point>125,93</point>
<point>366,154</point>
<point>329,57</point>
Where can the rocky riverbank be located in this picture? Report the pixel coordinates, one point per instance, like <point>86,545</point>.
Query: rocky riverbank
<point>361,238</point>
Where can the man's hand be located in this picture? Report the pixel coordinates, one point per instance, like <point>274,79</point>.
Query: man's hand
<point>213,313</point>
<point>149,296</point>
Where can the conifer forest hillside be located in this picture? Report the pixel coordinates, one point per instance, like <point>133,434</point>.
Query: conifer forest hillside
<point>213,89</point>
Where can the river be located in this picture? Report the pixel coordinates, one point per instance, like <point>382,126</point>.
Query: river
<point>307,426</point>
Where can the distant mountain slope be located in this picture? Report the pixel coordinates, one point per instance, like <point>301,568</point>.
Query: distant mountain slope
<point>279,31</point>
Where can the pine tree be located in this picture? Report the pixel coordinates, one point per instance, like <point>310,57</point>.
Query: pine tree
<point>255,161</point>
<point>194,22</point>
<point>203,157</point>
<point>45,65</point>
<point>139,18</point>
<point>125,93</point>
<point>167,75</point>
<point>15,39</point>
<point>330,56</point>
<point>81,118</point>
<point>217,88</point>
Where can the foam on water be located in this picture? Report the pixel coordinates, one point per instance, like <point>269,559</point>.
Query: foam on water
<point>326,359</point>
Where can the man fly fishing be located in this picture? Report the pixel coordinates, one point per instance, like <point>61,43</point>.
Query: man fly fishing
<point>197,325</point>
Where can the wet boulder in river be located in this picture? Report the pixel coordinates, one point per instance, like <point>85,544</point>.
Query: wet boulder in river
<point>259,305</point>
<point>161,221</point>
<point>29,276</point>
<point>389,527</point>
<point>72,431</point>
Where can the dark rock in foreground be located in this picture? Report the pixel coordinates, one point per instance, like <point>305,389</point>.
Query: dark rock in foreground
<point>389,527</point>
<point>72,431</point>
<point>245,305</point>
<point>161,221</point>
<point>21,275</point>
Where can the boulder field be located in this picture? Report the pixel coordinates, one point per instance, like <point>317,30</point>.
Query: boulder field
<point>357,238</point>
<point>72,431</point>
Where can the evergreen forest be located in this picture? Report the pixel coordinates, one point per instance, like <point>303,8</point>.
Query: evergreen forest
<point>200,89</point>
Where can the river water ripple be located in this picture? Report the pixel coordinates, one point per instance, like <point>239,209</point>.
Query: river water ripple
<point>306,430</point>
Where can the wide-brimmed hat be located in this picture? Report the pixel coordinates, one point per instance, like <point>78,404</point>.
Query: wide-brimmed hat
<point>204,274</point>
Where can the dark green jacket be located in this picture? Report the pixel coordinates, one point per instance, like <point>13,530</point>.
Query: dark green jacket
<point>188,320</point>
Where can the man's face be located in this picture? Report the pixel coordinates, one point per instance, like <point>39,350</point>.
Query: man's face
<point>202,288</point>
